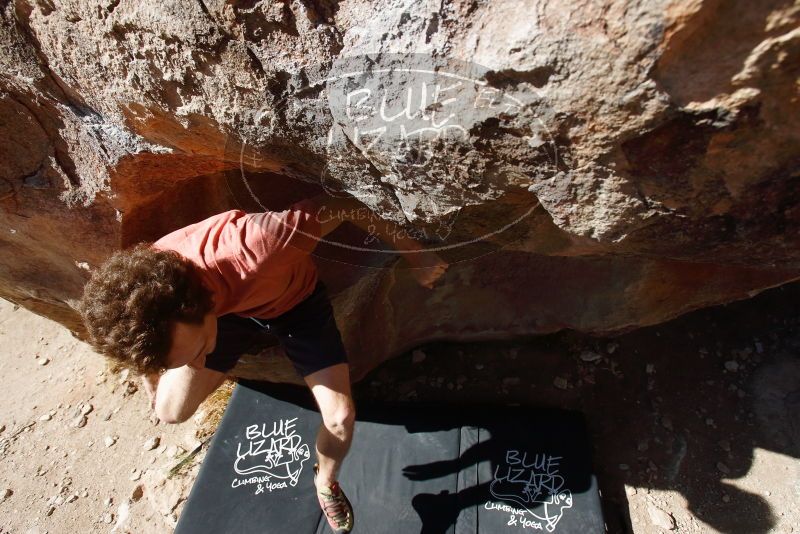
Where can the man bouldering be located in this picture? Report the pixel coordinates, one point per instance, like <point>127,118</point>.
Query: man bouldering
<point>181,310</point>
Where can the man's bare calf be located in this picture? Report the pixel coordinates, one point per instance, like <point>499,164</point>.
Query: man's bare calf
<point>331,389</point>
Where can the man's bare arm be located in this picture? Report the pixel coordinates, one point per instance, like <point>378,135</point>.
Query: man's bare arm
<point>332,211</point>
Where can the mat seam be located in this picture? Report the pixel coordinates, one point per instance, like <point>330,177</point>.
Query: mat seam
<point>477,479</point>
<point>458,504</point>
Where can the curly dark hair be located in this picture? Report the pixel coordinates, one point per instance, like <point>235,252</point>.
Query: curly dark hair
<point>131,302</point>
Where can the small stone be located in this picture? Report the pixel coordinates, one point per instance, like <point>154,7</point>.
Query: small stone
<point>723,468</point>
<point>79,422</point>
<point>2,428</point>
<point>560,382</point>
<point>660,518</point>
<point>611,348</point>
<point>709,421</point>
<point>73,498</point>
<point>624,467</point>
<point>759,347</point>
<point>650,368</point>
<point>136,476</point>
<point>642,446</point>
<point>666,422</point>
<point>108,518</point>
<point>50,511</point>
<point>417,356</point>
<point>109,441</point>
<point>191,441</point>
<point>44,361</point>
<point>46,417</point>
<point>123,375</point>
<point>732,366</point>
<point>152,443</point>
<point>590,356</point>
<point>86,409</point>
<point>108,502</point>
<point>479,366</point>
<point>726,498</point>
<point>7,493</point>
<point>138,492</point>
<point>85,494</point>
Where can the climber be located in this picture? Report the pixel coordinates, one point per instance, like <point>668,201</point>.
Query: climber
<point>181,310</point>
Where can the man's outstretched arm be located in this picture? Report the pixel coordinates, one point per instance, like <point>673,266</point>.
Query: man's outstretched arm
<point>332,211</point>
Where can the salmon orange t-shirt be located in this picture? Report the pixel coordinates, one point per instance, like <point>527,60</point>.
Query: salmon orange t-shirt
<point>256,264</point>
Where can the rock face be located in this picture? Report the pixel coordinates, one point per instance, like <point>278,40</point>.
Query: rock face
<point>594,165</point>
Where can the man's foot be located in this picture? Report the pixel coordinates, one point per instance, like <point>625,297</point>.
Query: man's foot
<point>335,505</point>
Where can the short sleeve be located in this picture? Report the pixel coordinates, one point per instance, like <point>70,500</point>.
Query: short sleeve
<point>283,236</point>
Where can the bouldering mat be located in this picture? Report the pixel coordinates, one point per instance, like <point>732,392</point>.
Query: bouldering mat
<point>411,468</point>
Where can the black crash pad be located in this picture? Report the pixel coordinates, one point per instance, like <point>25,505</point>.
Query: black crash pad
<point>411,468</point>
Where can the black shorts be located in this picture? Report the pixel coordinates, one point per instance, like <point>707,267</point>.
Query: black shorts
<point>307,332</point>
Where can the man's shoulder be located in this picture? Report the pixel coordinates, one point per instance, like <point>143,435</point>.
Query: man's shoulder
<point>201,227</point>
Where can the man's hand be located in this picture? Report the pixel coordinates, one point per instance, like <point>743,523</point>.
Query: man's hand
<point>150,383</point>
<point>426,267</point>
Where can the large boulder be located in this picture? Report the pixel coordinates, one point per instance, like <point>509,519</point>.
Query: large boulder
<point>596,165</point>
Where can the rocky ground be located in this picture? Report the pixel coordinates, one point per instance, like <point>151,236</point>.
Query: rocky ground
<point>79,451</point>
<point>694,422</point>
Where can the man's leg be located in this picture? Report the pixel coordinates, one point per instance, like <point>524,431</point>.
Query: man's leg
<point>181,390</point>
<point>331,389</point>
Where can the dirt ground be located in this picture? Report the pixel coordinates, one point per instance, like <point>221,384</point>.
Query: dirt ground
<point>695,423</point>
<point>79,451</point>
